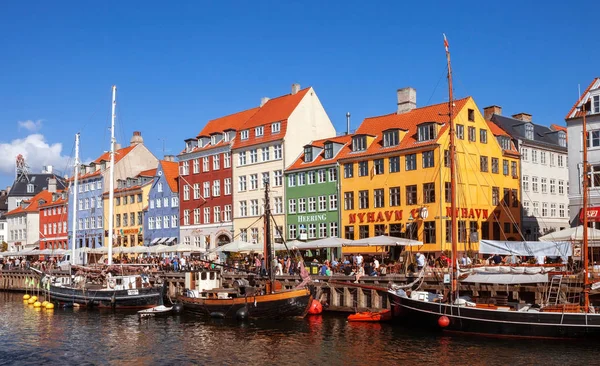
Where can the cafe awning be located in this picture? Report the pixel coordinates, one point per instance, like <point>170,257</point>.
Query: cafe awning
<point>162,240</point>
<point>171,239</point>
<point>154,241</point>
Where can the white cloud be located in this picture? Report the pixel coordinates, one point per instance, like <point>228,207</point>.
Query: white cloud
<point>37,153</point>
<point>30,125</point>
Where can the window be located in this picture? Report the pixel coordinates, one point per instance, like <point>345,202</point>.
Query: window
<point>312,204</point>
<point>301,179</point>
<point>394,164</point>
<point>227,160</point>
<point>322,174</point>
<point>217,213</point>
<point>186,217</point>
<point>363,231</point>
<point>471,117</point>
<point>359,143</point>
<point>118,201</point>
<point>328,150</point>
<point>472,135</point>
<point>196,191</point>
<point>333,229</point>
<point>244,135</point>
<point>544,209</point>
<point>529,131</point>
<point>292,180</point>
<point>561,187</point>
<point>195,166</point>
<point>428,193</point>
<point>513,169</point>
<point>552,159</point>
<point>243,209</point>
<point>429,232</point>
<point>526,209</point>
<point>495,165</point>
<point>292,205</point>
<point>349,232</point>
<point>526,183</point>
<point>253,156</point>
<point>553,210</point>
<point>216,188</point>
<point>483,163</point>
<point>562,138</point>
<point>332,174</point>
<point>534,155</point>
<point>378,200</point>
<point>301,205</point>
<point>447,192</point>
<point>118,220</point>
<point>363,168</point>
<point>348,170</point>
<point>227,213</point>
<point>312,231</point>
<point>207,215</point>
<point>428,159</point>
<point>277,152</point>
<point>196,216</point>
<point>140,218</point>
<point>292,232</point>
<point>322,203</point>
<point>411,195</point>
<point>394,196</point>
<point>462,231</point>
<point>505,166</point>
<point>378,166</point>
<point>216,162</point>
<point>275,127</point>
<point>166,222</point>
<point>151,223</point>
<point>333,202</point>
<point>426,132</point>
<point>259,131</point>
<point>253,182</point>
<point>483,136</point>
<point>544,185</point>
<point>411,162</point>
<point>363,199</point>
<point>504,142</point>
<point>278,181</point>
<point>552,186</point>
<point>525,154</point>
<point>561,210</point>
<point>506,197</point>
<point>206,190</point>
<point>227,183</point>
<point>242,158</point>
<point>241,183</point>
<point>391,138</point>
<point>308,154</point>
<point>205,164</point>
<point>447,158</point>
<point>460,132</point>
<point>495,196</point>
<point>348,200</point>
<point>543,157</point>
<point>322,230</point>
<point>174,201</point>
<point>534,184</point>
<point>253,207</point>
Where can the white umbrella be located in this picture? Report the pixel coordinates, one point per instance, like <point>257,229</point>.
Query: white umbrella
<point>331,242</point>
<point>234,246</point>
<point>572,233</point>
<point>180,248</point>
<point>384,240</point>
<point>101,250</point>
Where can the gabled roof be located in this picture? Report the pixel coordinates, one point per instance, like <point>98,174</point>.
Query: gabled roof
<point>171,173</point>
<point>119,154</point>
<point>575,111</point>
<point>408,122</point>
<point>39,181</point>
<point>275,110</point>
<point>514,127</point>
<point>148,173</point>
<point>33,203</point>
<point>558,128</point>
<point>59,201</point>
<point>230,122</point>
<point>320,160</point>
<point>496,130</point>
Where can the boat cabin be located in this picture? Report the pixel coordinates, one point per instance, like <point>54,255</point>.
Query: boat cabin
<point>202,281</point>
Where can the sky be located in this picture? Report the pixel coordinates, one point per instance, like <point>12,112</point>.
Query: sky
<point>179,64</point>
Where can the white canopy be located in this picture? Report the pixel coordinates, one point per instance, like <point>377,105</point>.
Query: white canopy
<point>331,242</point>
<point>572,233</point>
<point>384,240</point>
<point>237,246</point>
<point>180,248</point>
<point>526,248</point>
<point>506,278</point>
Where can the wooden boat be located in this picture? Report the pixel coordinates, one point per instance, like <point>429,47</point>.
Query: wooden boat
<point>159,310</point>
<point>371,316</point>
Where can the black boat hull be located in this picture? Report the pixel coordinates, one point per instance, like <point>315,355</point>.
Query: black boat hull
<point>494,322</point>
<point>286,304</point>
<point>142,298</point>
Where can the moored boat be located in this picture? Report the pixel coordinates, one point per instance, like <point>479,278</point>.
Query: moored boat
<point>371,316</point>
<point>159,310</point>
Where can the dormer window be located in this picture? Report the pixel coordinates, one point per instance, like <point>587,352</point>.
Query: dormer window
<point>226,137</point>
<point>259,131</point>
<point>244,135</point>
<point>308,155</point>
<point>504,142</point>
<point>529,131</point>
<point>188,146</point>
<point>562,139</point>
<point>391,138</point>
<point>213,140</point>
<point>328,150</point>
<point>426,132</point>
<point>103,166</point>
<point>276,127</point>
<point>359,143</point>
<point>30,188</point>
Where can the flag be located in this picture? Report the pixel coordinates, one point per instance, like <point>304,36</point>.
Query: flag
<point>445,42</point>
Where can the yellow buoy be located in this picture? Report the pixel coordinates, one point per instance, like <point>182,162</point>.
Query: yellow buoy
<point>44,303</point>
<point>37,304</point>
<point>30,301</point>
<point>49,305</point>
<point>34,298</point>
<point>26,297</point>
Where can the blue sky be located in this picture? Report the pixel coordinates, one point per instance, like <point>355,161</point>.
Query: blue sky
<point>178,65</point>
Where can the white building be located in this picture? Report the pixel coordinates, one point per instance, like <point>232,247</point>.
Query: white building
<point>271,140</point>
<point>544,172</point>
<point>590,99</point>
<point>24,223</point>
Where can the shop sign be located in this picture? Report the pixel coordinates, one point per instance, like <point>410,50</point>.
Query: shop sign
<point>381,216</point>
<point>471,213</point>
<point>312,218</point>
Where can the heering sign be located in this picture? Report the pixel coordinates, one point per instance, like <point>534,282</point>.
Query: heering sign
<point>382,216</point>
<point>312,218</point>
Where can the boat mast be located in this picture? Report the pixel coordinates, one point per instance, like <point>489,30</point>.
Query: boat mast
<point>111,183</point>
<point>452,148</point>
<point>586,289</point>
<point>74,203</point>
<point>267,245</point>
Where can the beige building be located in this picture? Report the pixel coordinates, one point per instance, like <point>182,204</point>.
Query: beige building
<point>271,140</point>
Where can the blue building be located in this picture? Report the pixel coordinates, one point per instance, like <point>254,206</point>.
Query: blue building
<point>161,223</point>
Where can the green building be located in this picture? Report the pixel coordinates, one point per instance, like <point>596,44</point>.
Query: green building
<point>311,191</point>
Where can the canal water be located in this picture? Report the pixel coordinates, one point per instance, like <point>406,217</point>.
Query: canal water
<point>30,336</point>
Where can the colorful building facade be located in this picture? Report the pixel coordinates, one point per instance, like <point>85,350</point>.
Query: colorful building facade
<point>395,178</point>
<point>161,219</point>
<point>53,222</point>
<point>24,222</point>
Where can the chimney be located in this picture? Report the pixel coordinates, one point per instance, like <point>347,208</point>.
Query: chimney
<point>295,88</point>
<point>407,100</point>
<point>263,101</point>
<point>136,138</point>
<point>117,146</point>
<point>488,112</point>
<point>47,169</point>
<point>169,158</point>
<point>348,123</point>
<point>525,117</point>
<point>52,185</point>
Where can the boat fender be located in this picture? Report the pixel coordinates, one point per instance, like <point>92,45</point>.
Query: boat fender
<point>254,302</point>
<point>242,313</point>
<point>443,321</point>
<point>177,308</point>
<point>217,314</point>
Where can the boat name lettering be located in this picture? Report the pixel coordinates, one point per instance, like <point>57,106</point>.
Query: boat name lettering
<point>133,292</point>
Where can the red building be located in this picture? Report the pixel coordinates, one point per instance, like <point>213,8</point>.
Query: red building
<point>53,221</point>
<point>205,183</point>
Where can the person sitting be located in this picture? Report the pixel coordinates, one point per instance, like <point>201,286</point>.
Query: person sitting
<point>496,259</point>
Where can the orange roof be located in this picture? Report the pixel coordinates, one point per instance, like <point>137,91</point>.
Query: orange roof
<point>232,121</point>
<point>119,154</point>
<point>574,112</point>
<point>275,110</point>
<point>558,128</point>
<point>148,173</point>
<point>408,122</point>
<point>319,160</point>
<point>496,130</point>
<point>171,173</point>
<point>33,203</point>
<point>59,201</point>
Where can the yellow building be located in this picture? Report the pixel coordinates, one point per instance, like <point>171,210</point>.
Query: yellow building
<point>130,201</point>
<point>395,177</point>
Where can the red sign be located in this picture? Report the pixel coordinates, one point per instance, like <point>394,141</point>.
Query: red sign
<point>382,216</point>
<point>470,213</point>
<point>593,214</point>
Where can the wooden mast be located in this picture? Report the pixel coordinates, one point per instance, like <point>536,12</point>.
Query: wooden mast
<point>586,289</point>
<point>268,254</point>
<point>452,148</point>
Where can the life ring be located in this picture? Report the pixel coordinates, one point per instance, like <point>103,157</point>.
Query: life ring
<point>111,283</point>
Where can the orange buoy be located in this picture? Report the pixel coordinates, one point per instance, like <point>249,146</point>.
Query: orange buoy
<point>369,316</point>
<point>443,321</point>
<point>315,308</point>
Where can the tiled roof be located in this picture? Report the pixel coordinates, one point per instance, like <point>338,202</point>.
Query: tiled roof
<point>319,160</point>
<point>119,154</point>
<point>59,201</point>
<point>39,182</point>
<point>496,130</point>
<point>148,173</point>
<point>275,110</point>
<point>515,128</point>
<point>171,173</point>
<point>558,128</point>
<point>408,122</point>
<point>33,203</point>
<point>232,121</point>
<point>574,112</point>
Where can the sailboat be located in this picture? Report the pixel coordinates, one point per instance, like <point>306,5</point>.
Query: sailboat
<point>207,295</point>
<point>115,287</point>
<point>457,314</point>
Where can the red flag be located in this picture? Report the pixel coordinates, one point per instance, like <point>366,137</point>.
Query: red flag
<point>445,42</point>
